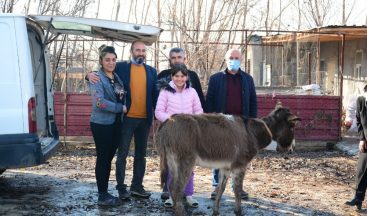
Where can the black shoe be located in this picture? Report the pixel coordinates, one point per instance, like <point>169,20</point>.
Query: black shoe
<point>124,194</point>
<point>164,195</point>
<point>213,195</point>
<point>355,202</point>
<point>106,199</point>
<point>141,193</point>
<point>244,195</point>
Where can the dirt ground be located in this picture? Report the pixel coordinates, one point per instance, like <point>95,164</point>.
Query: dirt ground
<point>302,183</point>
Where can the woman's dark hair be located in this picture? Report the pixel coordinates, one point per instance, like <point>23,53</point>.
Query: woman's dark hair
<point>179,68</point>
<point>104,49</point>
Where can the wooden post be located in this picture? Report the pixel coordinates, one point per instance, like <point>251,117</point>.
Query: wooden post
<point>66,91</point>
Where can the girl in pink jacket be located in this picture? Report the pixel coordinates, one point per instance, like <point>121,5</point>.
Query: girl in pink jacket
<point>178,97</point>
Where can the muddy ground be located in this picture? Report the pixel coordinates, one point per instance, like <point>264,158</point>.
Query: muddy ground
<point>302,183</point>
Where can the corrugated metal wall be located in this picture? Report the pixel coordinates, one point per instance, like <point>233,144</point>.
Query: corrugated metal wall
<point>78,109</point>
<point>321,115</point>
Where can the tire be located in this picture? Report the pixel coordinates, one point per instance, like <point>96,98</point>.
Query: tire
<point>1,171</point>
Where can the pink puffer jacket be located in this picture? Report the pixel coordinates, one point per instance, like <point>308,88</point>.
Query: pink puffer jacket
<point>170,103</point>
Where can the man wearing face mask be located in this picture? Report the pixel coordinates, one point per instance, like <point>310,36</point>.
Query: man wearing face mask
<point>177,56</point>
<point>140,81</point>
<point>231,91</point>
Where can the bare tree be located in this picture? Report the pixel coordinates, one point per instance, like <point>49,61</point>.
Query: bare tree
<point>27,7</point>
<point>144,18</point>
<point>205,34</point>
<point>317,11</point>
<point>345,13</point>
<point>299,16</point>
<point>267,17</point>
<point>48,7</point>
<point>7,6</point>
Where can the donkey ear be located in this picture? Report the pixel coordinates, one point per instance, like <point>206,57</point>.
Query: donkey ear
<point>278,105</point>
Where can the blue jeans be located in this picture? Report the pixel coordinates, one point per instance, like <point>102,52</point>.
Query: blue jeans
<point>139,128</point>
<point>215,181</point>
<point>215,177</point>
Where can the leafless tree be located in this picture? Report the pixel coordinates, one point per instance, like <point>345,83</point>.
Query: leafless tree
<point>317,11</point>
<point>299,16</point>
<point>204,28</point>
<point>346,14</point>
<point>7,6</point>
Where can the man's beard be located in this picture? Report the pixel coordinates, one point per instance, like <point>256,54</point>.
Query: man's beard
<point>175,65</point>
<point>139,59</point>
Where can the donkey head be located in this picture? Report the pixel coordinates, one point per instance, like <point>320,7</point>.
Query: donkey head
<point>281,124</point>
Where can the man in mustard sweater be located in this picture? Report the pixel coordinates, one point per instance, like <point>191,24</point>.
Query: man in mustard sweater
<point>140,82</point>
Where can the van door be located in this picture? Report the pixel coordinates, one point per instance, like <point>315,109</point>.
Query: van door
<point>12,109</point>
<point>107,29</point>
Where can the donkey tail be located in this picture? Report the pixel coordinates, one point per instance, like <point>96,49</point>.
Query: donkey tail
<point>164,167</point>
<point>160,145</point>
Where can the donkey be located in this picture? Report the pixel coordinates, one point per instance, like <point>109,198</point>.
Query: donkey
<point>224,142</point>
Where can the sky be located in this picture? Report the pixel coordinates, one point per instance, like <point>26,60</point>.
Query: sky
<point>358,16</point>
<point>107,11</point>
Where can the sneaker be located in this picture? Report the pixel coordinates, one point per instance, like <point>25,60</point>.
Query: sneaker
<point>164,195</point>
<point>124,194</point>
<point>168,203</point>
<point>244,195</point>
<point>192,202</point>
<point>106,199</point>
<point>213,195</point>
<point>140,193</point>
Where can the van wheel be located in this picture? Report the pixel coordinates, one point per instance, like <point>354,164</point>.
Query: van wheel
<point>1,171</point>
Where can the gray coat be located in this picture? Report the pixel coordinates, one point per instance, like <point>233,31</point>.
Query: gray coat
<point>104,101</point>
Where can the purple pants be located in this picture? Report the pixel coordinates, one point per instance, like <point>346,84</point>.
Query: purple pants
<point>189,189</point>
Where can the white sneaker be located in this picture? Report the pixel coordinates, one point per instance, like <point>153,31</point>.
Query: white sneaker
<point>168,203</point>
<point>192,202</point>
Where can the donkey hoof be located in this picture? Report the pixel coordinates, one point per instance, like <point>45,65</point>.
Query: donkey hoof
<point>238,212</point>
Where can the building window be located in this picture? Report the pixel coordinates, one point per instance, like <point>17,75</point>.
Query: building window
<point>323,65</point>
<point>267,75</point>
<point>359,55</point>
<point>358,65</point>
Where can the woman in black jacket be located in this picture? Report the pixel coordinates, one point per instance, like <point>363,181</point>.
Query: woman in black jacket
<point>361,175</point>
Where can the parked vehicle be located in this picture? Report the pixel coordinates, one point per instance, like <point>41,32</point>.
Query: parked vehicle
<point>28,133</point>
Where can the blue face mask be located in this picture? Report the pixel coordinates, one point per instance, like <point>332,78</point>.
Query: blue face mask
<point>233,65</point>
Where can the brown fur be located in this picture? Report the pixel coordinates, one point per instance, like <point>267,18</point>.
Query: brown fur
<point>217,141</point>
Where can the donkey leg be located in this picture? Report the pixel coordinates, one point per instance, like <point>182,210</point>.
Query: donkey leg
<point>223,178</point>
<point>238,176</point>
<point>174,186</point>
<point>180,178</point>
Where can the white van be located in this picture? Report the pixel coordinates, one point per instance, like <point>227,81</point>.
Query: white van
<point>28,133</point>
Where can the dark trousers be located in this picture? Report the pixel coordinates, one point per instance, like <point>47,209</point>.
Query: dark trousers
<point>139,128</point>
<point>361,177</point>
<point>106,139</point>
<point>215,181</point>
<point>215,177</point>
